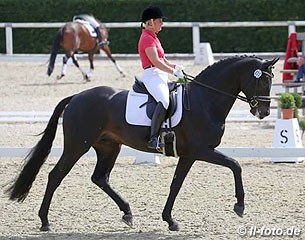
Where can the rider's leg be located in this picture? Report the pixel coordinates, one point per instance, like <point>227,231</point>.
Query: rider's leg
<point>99,37</point>
<point>156,122</point>
<point>95,25</point>
<point>155,81</point>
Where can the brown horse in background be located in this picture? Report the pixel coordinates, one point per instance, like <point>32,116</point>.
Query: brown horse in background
<point>74,37</point>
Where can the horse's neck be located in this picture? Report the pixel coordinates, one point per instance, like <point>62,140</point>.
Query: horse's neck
<point>217,99</point>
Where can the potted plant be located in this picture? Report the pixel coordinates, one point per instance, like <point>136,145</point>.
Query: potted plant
<point>298,103</point>
<point>302,126</point>
<point>287,104</point>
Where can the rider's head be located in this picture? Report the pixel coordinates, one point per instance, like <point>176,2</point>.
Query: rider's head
<point>150,14</point>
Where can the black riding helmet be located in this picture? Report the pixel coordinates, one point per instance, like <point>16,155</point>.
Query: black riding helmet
<point>152,12</point>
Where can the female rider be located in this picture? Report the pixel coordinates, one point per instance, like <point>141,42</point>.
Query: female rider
<point>156,68</point>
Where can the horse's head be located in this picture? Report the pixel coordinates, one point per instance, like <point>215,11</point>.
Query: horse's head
<point>256,85</point>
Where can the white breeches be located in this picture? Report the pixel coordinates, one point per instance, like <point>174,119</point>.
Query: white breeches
<point>155,81</point>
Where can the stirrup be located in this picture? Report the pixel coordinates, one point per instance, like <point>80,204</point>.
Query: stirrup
<point>103,43</point>
<point>154,143</point>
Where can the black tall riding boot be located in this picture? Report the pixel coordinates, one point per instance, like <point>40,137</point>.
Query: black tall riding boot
<point>99,37</point>
<point>156,121</point>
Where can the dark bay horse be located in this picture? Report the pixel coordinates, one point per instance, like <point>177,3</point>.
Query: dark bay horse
<point>74,37</point>
<point>96,118</point>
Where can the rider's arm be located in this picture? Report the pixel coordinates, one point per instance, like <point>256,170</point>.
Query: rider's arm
<point>169,63</point>
<point>152,54</point>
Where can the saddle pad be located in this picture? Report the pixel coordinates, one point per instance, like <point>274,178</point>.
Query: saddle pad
<point>88,26</point>
<point>137,116</point>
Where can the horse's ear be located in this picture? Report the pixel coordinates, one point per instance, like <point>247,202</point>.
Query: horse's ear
<point>270,63</point>
<point>274,61</point>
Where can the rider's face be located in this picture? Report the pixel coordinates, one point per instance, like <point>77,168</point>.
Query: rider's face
<point>158,23</point>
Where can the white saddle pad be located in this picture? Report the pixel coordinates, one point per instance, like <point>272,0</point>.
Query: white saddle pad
<point>88,26</point>
<point>137,116</point>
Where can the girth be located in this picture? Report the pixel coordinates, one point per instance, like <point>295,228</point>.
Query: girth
<point>151,103</point>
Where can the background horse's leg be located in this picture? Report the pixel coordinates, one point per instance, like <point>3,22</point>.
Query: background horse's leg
<point>107,153</point>
<point>182,169</point>
<point>90,73</point>
<point>107,50</point>
<point>74,59</point>
<point>61,169</point>
<point>216,157</point>
<point>64,66</point>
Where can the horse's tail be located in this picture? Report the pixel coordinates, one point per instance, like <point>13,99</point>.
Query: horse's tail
<point>38,155</point>
<point>55,47</point>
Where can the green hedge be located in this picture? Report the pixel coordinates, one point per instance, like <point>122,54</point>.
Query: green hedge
<point>175,40</point>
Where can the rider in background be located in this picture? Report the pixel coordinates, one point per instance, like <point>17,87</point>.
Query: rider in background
<point>156,68</point>
<point>301,71</point>
<point>94,23</point>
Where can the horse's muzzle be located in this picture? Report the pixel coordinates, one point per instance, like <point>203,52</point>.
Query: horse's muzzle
<point>260,113</point>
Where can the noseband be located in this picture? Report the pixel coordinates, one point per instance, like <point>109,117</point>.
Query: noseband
<point>253,101</point>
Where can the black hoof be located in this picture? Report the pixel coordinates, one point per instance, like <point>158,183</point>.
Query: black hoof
<point>127,218</point>
<point>45,228</point>
<point>60,76</point>
<point>174,227</point>
<point>239,209</point>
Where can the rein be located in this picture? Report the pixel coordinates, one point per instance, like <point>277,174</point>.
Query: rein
<point>253,101</point>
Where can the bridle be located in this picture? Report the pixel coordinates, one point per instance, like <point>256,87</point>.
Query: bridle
<point>253,101</point>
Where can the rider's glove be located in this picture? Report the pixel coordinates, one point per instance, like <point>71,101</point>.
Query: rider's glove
<point>178,73</point>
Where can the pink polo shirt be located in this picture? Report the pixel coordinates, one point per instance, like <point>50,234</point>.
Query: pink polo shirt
<point>149,39</point>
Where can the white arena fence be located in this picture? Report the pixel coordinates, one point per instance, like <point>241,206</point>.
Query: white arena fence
<point>141,157</point>
<point>235,115</point>
<point>242,152</point>
<point>291,25</point>
<point>40,116</point>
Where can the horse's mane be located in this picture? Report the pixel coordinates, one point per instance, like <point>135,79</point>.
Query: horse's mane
<point>221,63</point>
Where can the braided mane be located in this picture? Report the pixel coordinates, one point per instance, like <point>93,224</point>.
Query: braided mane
<point>222,62</point>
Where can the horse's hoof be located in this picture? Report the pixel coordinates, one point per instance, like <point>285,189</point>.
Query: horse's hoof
<point>127,218</point>
<point>60,76</point>
<point>87,78</point>
<point>174,227</point>
<point>45,228</point>
<point>239,209</point>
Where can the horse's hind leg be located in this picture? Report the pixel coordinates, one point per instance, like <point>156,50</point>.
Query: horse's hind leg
<point>107,153</point>
<point>64,66</point>
<point>61,169</point>
<point>182,169</point>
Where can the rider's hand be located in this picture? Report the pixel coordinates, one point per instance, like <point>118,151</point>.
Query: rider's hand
<point>178,73</point>
<point>179,67</point>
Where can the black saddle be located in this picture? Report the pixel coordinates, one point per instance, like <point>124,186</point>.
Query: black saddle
<point>151,103</point>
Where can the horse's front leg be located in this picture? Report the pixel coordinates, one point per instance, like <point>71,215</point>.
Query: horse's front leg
<point>75,62</point>
<point>213,156</point>
<point>182,169</point>
<point>107,50</point>
<point>90,72</point>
